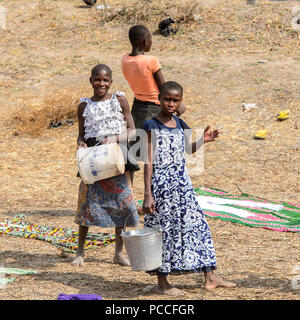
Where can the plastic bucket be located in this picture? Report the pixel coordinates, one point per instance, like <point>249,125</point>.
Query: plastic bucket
<point>144,248</point>
<point>100,162</point>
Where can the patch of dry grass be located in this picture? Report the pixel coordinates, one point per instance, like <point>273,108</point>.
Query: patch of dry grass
<point>38,114</point>
<point>151,11</point>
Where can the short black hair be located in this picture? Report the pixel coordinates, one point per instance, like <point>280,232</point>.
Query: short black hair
<point>137,33</point>
<point>100,67</point>
<point>170,85</point>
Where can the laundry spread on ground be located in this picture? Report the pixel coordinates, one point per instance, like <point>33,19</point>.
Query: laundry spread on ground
<point>9,271</point>
<point>248,210</point>
<point>65,239</point>
<point>244,209</point>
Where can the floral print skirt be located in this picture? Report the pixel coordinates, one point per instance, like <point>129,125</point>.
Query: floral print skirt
<point>107,203</point>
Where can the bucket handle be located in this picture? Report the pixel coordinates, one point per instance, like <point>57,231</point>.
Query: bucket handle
<point>125,223</point>
<point>97,144</point>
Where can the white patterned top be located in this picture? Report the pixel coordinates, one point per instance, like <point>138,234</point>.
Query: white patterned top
<point>103,118</point>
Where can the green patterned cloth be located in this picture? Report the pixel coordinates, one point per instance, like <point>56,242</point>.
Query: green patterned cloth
<point>64,239</point>
<point>248,210</point>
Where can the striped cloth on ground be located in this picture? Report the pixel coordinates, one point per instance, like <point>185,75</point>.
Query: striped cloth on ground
<point>248,210</point>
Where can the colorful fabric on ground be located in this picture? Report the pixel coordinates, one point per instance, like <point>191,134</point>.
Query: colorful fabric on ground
<point>65,239</point>
<point>16,271</point>
<point>248,210</point>
<point>8,271</point>
<point>4,281</point>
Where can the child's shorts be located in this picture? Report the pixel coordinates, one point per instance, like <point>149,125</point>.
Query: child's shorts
<point>142,111</point>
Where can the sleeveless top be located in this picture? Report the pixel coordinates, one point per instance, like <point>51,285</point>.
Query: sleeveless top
<point>103,118</point>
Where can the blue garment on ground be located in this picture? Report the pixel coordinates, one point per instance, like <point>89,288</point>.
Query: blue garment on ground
<point>63,296</point>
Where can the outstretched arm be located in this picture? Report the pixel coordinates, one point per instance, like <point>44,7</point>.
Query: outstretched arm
<point>208,136</point>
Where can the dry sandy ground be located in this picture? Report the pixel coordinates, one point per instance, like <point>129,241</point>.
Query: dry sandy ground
<point>50,46</point>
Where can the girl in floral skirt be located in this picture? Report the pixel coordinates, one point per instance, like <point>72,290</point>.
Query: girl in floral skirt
<point>105,118</point>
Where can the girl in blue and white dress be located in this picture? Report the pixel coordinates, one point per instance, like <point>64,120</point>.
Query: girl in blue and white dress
<point>170,201</point>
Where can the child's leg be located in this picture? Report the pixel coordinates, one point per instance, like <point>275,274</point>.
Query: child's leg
<point>131,177</point>
<point>119,257</point>
<point>165,288</point>
<point>79,261</point>
<point>212,282</point>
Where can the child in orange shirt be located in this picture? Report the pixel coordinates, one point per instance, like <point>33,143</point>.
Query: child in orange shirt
<point>144,76</point>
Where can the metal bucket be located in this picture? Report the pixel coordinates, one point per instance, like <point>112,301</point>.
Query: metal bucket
<point>144,248</point>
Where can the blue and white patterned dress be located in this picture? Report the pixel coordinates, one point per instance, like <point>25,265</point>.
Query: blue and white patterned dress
<point>187,241</point>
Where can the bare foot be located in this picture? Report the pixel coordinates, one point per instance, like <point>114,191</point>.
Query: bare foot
<point>164,287</point>
<point>121,260</point>
<point>212,282</point>
<point>78,261</point>
<point>63,254</point>
<point>171,291</point>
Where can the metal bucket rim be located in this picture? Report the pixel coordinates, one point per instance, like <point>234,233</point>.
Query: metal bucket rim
<point>151,231</point>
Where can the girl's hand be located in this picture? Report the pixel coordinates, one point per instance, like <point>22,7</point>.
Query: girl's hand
<point>148,205</point>
<point>111,139</point>
<point>180,110</point>
<point>210,136</point>
<point>81,144</point>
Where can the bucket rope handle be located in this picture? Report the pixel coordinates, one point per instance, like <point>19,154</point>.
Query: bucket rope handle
<point>97,144</point>
<point>89,151</point>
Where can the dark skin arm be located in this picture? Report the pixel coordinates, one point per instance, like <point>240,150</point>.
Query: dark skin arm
<point>80,140</point>
<point>209,136</point>
<point>180,110</point>
<point>148,204</point>
<point>159,79</point>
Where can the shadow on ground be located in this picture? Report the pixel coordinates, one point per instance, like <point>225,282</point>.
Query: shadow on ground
<point>16,259</point>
